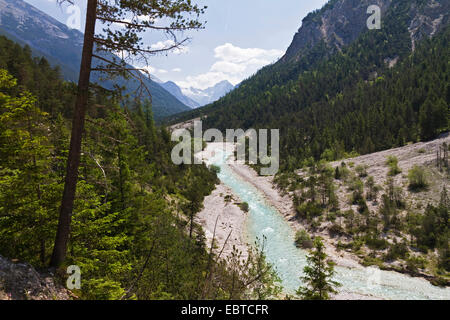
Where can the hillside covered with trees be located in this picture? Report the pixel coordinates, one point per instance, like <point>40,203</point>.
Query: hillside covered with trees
<point>134,208</point>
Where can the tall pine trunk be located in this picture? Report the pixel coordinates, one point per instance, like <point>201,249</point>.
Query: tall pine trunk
<point>73,161</point>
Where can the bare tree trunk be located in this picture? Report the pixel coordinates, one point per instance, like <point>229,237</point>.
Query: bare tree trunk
<point>191,227</point>
<point>73,161</point>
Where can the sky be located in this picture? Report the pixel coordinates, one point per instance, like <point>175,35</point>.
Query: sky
<point>240,37</point>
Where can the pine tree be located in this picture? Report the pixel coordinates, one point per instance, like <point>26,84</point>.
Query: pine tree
<point>27,184</point>
<point>318,275</point>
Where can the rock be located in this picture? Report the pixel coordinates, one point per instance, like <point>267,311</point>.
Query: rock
<point>340,22</point>
<point>20,281</point>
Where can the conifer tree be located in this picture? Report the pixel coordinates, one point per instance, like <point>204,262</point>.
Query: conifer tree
<point>318,275</point>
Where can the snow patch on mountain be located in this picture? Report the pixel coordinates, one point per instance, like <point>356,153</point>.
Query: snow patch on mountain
<point>209,95</point>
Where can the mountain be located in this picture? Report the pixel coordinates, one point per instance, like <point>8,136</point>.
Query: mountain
<point>195,98</point>
<point>343,88</point>
<point>62,46</point>
<point>175,90</point>
<point>209,95</point>
<point>340,22</point>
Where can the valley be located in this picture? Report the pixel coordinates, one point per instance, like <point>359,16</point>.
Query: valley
<point>272,216</point>
<point>100,198</point>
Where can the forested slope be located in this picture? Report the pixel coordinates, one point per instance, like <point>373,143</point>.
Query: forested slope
<point>134,209</point>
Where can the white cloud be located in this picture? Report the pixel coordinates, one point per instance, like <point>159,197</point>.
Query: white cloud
<point>234,64</point>
<point>228,67</point>
<point>231,53</point>
<point>162,45</point>
<point>176,70</point>
<point>207,80</point>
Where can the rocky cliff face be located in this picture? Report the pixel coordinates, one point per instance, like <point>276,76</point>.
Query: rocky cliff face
<point>427,19</point>
<point>340,22</point>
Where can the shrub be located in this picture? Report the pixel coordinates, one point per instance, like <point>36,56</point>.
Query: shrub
<point>417,177</point>
<point>337,174</point>
<point>309,211</point>
<point>439,282</point>
<point>373,189</point>
<point>371,261</point>
<point>214,169</point>
<point>303,240</point>
<point>361,170</point>
<point>376,244</point>
<point>331,217</point>
<point>397,251</point>
<point>357,187</point>
<point>392,163</point>
<point>413,264</point>
<point>362,206</point>
<point>228,198</point>
<point>336,230</point>
<point>244,207</point>
<point>357,245</point>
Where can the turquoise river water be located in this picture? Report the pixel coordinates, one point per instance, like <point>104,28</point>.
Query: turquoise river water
<point>289,261</point>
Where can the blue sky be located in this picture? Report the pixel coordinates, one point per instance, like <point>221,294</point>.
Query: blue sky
<point>240,37</point>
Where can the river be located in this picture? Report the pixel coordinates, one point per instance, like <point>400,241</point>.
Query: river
<point>289,261</point>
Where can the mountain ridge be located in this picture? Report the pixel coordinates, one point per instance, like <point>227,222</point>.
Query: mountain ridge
<point>209,95</point>
<point>62,46</point>
<point>176,91</point>
<point>339,22</point>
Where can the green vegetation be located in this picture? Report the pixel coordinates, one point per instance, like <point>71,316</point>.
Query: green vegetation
<point>372,189</point>
<point>133,233</point>
<point>415,263</point>
<point>390,231</point>
<point>244,207</point>
<point>418,179</point>
<point>361,170</point>
<point>392,163</point>
<point>303,240</point>
<point>214,169</point>
<point>228,198</point>
<point>317,194</point>
<point>318,275</point>
<point>431,230</point>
